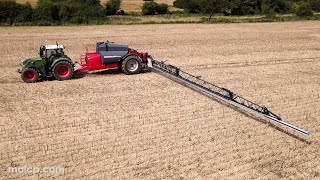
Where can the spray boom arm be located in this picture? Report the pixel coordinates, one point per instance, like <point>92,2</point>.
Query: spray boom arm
<point>217,92</point>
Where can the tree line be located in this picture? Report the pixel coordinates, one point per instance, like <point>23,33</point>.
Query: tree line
<point>47,12</point>
<point>248,7</point>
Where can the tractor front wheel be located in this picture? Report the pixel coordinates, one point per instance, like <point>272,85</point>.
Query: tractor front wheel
<point>131,65</point>
<point>29,75</point>
<point>63,71</point>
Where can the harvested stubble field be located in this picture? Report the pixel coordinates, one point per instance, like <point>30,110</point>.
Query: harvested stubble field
<point>113,126</point>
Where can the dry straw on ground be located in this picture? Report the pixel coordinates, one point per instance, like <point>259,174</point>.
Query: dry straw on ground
<point>107,126</point>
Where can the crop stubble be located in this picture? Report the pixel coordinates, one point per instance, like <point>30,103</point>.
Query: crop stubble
<point>109,125</point>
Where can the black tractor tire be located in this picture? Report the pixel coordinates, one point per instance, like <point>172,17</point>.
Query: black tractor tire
<point>120,67</point>
<point>29,75</point>
<point>63,70</point>
<point>131,65</point>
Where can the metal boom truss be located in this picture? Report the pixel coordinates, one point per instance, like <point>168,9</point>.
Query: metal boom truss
<point>219,93</point>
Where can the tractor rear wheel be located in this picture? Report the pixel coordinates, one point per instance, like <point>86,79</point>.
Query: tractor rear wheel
<point>131,65</point>
<point>63,71</point>
<point>29,75</point>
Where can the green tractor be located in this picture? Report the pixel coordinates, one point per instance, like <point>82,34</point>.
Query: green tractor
<point>51,63</point>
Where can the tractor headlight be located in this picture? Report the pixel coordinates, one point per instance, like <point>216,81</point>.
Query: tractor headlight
<point>23,62</point>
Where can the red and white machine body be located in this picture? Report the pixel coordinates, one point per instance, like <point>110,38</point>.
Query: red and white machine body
<point>106,55</point>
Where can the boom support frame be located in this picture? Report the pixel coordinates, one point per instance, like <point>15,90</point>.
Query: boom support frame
<point>218,93</point>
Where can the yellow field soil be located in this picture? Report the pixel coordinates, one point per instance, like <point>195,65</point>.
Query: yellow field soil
<point>32,2</point>
<point>113,126</point>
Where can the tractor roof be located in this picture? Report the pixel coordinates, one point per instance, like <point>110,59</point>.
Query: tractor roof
<point>54,47</point>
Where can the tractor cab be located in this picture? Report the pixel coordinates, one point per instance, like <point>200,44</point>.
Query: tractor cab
<point>49,51</point>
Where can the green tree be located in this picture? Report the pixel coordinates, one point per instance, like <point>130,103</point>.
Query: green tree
<point>162,8</point>
<point>245,7</point>
<point>191,6</point>
<point>315,5</point>
<point>149,8</point>
<point>68,10</point>
<point>92,10</point>
<point>25,13</point>
<point>278,6</point>
<point>304,10</point>
<point>11,12</point>
<point>112,6</point>
<point>46,11</point>
<point>74,11</point>
<point>8,11</point>
<point>212,6</point>
<point>152,8</point>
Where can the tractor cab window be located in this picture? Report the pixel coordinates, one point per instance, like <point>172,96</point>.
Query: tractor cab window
<point>53,52</point>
